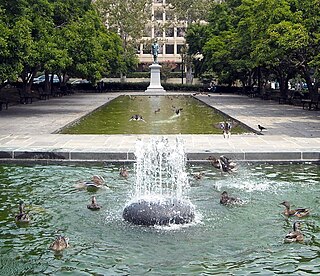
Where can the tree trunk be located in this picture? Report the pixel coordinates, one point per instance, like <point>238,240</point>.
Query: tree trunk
<point>189,75</point>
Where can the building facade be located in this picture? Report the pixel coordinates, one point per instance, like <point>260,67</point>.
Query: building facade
<point>167,30</point>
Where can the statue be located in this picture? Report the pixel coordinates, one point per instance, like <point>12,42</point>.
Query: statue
<point>155,51</point>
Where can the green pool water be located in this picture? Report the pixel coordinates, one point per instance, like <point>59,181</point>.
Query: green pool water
<point>113,118</point>
<point>240,240</point>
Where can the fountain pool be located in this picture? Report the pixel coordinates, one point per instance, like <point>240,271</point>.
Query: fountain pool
<point>222,240</point>
<point>159,115</point>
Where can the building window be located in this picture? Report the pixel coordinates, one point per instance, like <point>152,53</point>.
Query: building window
<point>169,49</point>
<point>158,1</point>
<point>169,15</point>
<point>181,31</point>
<point>146,49</point>
<point>169,32</point>
<point>158,14</point>
<point>179,47</point>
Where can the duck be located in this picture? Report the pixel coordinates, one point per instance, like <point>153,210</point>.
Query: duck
<point>295,235</point>
<point>223,163</point>
<point>157,111</point>
<point>60,243</point>
<point>96,182</point>
<point>94,205</point>
<point>97,179</point>
<point>177,110</point>
<point>124,172</point>
<point>225,199</point>
<point>22,216</point>
<point>198,176</point>
<point>299,212</point>
<point>137,117</point>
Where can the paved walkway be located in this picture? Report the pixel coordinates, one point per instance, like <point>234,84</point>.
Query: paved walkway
<point>27,132</point>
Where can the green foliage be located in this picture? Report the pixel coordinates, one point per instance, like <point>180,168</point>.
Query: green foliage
<point>190,10</point>
<point>63,37</point>
<point>167,67</point>
<point>128,19</point>
<point>280,37</point>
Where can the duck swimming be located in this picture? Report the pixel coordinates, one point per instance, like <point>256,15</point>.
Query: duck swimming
<point>94,205</point>
<point>299,212</point>
<point>225,199</point>
<point>198,176</point>
<point>124,172</point>
<point>223,163</point>
<point>96,182</point>
<point>137,117</point>
<point>22,216</point>
<point>177,110</point>
<point>295,235</point>
<point>60,243</point>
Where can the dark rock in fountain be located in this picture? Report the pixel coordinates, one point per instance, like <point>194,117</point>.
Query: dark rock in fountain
<point>159,212</point>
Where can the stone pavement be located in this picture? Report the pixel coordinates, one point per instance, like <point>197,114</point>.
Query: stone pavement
<point>27,132</point>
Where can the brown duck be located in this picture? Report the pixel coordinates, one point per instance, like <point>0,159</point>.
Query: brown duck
<point>60,243</point>
<point>223,163</point>
<point>299,212</point>
<point>22,216</point>
<point>295,235</point>
<point>124,172</point>
<point>225,199</point>
<point>94,205</point>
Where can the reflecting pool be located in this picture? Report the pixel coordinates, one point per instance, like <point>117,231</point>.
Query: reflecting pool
<point>237,240</point>
<point>160,114</point>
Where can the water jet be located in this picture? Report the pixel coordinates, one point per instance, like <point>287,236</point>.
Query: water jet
<point>159,195</point>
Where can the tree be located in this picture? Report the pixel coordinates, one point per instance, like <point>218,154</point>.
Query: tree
<point>167,67</point>
<point>60,37</point>
<point>245,38</point>
<point>191,11</point>
<point>10,65</point>
<point>128,19</point>
<point>92,49</point>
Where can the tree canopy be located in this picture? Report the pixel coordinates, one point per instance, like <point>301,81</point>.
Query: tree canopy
<point>277,37</point>
<point>64,37</point>
<point>128,19</point>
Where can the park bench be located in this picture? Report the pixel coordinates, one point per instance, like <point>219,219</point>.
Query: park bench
<point>294,98</point>
<point>311,104</point>
<point>43,95</point>
<point>4,102</point>
<point>25,98</point>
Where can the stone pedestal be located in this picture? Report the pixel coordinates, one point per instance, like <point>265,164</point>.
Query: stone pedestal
<point>155,84</point>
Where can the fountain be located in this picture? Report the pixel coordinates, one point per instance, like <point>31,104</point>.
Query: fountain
<point>223,240</point>
<point>159,192</point>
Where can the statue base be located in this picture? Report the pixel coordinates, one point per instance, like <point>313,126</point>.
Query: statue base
<point>155,84</point>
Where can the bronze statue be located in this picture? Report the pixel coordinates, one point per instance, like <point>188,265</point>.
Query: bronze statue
<point>155,51</point>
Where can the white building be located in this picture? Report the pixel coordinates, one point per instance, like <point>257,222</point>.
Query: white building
<point>167,30</point>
